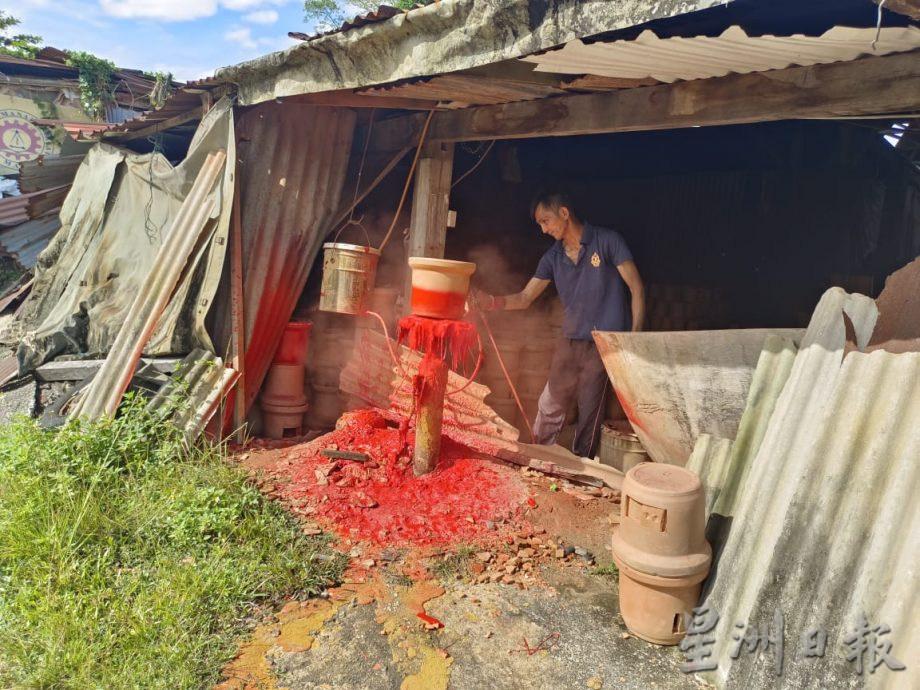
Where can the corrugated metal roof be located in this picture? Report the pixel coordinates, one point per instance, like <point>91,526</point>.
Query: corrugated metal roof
<point>465,89</point>
<point>734,52</point>
<point>382,13</point>
<point>18,209</point>
<point>826,526</point>
<point>25,242</point>
<point>78,131</point>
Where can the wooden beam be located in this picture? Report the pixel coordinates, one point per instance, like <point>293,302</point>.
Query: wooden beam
<point>156,127</point>
<point>237,313</point>
<point>870,86</point>
<point>350,99</point>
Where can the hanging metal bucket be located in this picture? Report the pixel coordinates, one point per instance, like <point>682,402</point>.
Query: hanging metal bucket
<point>349,272</point>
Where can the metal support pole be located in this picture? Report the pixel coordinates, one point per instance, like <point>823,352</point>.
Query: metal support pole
<point>432,385</point>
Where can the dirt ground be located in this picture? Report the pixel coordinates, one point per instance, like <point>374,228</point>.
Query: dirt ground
<point>530,604</point>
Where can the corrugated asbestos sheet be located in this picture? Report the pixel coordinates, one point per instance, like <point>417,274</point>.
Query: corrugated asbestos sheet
<point>293,160</point>
<point>734,52</point>
<point>26,241</point>
<point>827,526</point>
<point>464,90</point>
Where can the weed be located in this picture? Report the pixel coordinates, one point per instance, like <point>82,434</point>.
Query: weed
<point>455,565</point>
<point>608,570</point>
<point>129,561</point>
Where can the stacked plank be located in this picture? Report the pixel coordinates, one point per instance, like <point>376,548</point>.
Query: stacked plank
<point>47,173</point>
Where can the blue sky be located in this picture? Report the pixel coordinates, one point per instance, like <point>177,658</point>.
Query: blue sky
<point>190,38</point>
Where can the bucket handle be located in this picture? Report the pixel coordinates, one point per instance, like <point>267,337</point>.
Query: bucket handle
<point>352,221</point>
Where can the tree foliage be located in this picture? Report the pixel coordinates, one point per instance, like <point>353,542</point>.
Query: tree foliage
<point>329,14</point>
<point>18,45</point>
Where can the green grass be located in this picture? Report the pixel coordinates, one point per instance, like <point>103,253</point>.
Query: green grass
<point>129,562</point>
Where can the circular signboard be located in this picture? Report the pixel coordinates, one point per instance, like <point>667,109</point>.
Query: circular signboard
<point>20,140</point>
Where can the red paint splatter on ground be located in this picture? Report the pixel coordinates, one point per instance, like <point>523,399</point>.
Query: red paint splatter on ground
<point>382,502</point>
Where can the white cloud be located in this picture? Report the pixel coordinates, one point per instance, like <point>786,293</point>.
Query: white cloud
<point>249,4</point>
<point>243,37</point>
<point>262,17</point>
<point>179,10</point>
<point>166,10</point>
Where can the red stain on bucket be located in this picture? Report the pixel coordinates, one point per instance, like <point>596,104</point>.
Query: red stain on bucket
<point>437,304</point>
<point>294,343</point>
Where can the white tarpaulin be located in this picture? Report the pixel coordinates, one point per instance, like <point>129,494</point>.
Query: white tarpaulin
<point>114,220</point>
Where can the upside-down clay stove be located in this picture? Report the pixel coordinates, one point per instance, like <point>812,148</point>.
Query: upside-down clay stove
<point>439,290</point>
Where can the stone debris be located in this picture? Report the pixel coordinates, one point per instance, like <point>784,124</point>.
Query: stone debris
<point>595,683</point>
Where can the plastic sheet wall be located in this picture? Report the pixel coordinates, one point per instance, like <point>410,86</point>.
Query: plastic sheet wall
<point>292,162</point>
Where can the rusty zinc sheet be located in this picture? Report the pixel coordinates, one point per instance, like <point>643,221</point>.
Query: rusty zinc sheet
<point>25,242</point>
<point>293,160</point>
<point>733,52</point>
<point>675,386</point>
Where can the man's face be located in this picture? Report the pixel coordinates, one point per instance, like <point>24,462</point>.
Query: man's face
<point>552,222</point>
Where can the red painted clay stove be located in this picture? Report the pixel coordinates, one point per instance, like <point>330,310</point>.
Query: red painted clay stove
<point>283,401</point>
<point>661,550</point>
<point>294,344</point>
<point>439,287</point>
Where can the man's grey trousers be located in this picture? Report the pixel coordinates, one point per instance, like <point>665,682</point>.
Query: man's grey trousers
<point>577,373</point>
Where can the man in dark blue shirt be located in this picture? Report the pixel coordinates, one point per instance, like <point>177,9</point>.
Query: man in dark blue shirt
<point>593,270</point>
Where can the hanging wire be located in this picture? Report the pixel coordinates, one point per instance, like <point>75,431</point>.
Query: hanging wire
<point>878,25</point>
<point>151,229</point>
<point>475,165</point>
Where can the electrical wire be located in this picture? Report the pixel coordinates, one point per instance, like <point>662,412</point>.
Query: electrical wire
<point>475,165</point>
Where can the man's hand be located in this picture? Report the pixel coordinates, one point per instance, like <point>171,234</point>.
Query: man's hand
<point>484,301</point>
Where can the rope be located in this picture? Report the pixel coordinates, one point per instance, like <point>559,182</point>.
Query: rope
<point>402,199</point>
<point>501,362</point>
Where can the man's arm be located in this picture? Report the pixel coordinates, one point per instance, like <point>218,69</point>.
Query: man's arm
<point>630,274</point>
<point>519,300</point>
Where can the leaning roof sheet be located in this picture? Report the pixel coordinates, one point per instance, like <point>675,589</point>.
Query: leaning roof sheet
<point>702,57</point>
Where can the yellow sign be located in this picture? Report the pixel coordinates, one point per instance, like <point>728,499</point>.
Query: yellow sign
<point>20,140</point>
<point>595,260</point>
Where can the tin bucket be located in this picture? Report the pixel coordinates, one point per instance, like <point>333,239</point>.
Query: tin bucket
<point>349,272</point>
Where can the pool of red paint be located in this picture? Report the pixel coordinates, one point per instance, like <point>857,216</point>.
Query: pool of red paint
<point>382,502</point>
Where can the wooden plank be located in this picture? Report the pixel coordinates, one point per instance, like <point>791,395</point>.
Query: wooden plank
<point>869,86</point>
<point>161,126</point>
<point>238,321</point>
<point>77,370</point>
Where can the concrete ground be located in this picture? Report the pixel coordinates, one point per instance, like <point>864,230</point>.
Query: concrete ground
<point>566,633</point>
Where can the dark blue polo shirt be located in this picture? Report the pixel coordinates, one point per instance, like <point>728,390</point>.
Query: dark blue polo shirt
<point>592,291</point>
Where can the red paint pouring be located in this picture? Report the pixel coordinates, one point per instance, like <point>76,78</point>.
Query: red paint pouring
<point>382,502</point>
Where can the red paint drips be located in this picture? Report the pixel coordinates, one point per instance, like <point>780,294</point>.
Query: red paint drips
<point>439,337</point>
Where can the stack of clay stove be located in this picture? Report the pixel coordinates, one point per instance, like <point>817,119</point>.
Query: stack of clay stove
<point>661,550</point>
<point>683,308</point>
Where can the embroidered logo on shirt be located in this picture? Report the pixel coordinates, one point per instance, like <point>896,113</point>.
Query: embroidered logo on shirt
<point>595,260</point>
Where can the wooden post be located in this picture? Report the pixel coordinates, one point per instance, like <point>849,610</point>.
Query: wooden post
<point>432,385</point>
<point>430,203</point>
